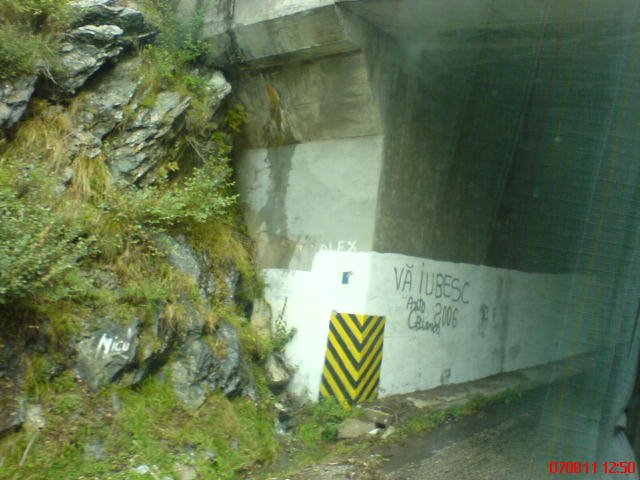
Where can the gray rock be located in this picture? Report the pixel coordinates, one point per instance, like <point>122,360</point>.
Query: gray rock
<point>142,469</point>
<point>133,21</point>
<point>194,264</point>
<point>189,373</point>
<point>390,430</point>
<point>144,133</point>
<point>377,417</point>
<point>102,32</point>
<point>94,450</point>
<point>98,33</point>
<point>155,345</point>
<point>193,323</point>
<point>261,318</point>
<point>285,421</point>
<point>84,142</point>
<point>103,355</point>
<point>12,405</point>
<point>102,108</point>
<point>218,88</point>
<point>354,428</point>
<point>34,418</point>
<point>14,99</point>
<point>140,146</point>
<point>199,369</point>
<point>231,363</point>
<point>99,12</point>
<point>277,371</point>
<point>185,472</point>
<point>79,62</point>
<point>233,281</point>
<point>66,175</point>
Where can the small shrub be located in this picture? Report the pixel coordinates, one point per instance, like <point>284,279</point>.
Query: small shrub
<point>34,13</point>
<point>177,49</point>
<point>282,334</point>
<point>235,117</point>
<point>203,195</point>
<point>324,419</point>
<point>18,52</point>
<point>37,247</point>
<point>28,35</point>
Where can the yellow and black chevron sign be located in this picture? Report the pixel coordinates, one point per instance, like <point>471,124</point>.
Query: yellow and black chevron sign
<point>354,354</point>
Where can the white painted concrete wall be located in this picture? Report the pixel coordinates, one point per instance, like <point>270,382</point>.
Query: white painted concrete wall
<point>309,197</point>
<point>524,317</point>
<point>311,207</point>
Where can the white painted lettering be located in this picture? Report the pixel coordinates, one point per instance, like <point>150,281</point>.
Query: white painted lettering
<point>108,345</point>
<point>341,246</point>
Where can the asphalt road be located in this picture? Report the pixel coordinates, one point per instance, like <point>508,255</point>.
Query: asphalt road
<point>503,442</point>
<point>499,444</point>
<point>517,441</point>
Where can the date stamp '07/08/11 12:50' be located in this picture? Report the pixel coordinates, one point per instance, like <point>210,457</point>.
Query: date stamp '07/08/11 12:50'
<point>613,468</point>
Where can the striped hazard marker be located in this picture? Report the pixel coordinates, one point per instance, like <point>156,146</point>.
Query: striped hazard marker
<point>354,354</point>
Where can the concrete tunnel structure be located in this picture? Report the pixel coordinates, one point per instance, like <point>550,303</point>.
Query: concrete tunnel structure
<point>434,163</point>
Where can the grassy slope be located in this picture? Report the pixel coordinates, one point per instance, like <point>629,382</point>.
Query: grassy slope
<point>49,291</point>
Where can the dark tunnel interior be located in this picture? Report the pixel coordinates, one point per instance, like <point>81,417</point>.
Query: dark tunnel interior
<point>512,141</point>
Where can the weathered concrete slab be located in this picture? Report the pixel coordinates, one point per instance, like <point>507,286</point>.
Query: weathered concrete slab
<point>301,199</point>
<point>388,137</point>
<point>446,322</point>
<point>330,98</point>
<point>518,382</point>
<point>305,34</point>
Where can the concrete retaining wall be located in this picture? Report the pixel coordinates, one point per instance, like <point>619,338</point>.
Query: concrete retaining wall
<point>301,199</point>
<point>387,140</point>
<point>445,322</point>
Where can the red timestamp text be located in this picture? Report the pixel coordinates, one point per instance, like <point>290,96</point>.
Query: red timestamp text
<point>609,468</point>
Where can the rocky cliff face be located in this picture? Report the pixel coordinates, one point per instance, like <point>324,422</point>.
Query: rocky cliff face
<point>113,119</point>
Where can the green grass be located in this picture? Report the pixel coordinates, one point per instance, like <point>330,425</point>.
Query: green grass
<point>104,228</point>
<point>29,35</point>
<point>318,427</point>
<point>432,419</point>
<point>150,428</point>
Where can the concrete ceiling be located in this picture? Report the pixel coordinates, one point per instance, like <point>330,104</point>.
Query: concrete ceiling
<point>461,21</point>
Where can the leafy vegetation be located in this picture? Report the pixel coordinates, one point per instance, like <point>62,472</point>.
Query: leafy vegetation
<point>74,246</point>
<point>171,61</point>
<point>48,236</point>
<point>98,225</point>
<point>282,334</point>
<point>38,246</point>
<point>432,419</point>
<point>108,434</point>
<point>197,199</point>
<point>34,12</point>
<point>322,421</point>
<point>29,35</point>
